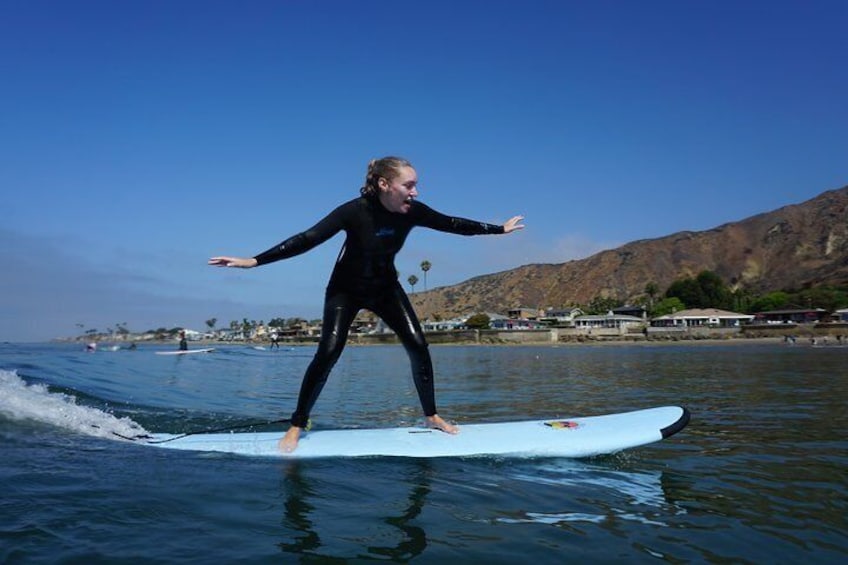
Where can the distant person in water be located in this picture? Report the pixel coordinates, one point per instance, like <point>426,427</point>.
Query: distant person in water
<point>183,342</point>
<point>376,225</point>
<point>275,340</point>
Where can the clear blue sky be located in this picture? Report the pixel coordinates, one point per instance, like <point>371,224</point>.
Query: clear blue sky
<point>139,138</point>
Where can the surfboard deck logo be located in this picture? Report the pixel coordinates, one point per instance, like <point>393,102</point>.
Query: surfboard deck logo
<point>563,425</point>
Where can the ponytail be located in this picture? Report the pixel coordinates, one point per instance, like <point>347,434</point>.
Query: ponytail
<point>387,168</point>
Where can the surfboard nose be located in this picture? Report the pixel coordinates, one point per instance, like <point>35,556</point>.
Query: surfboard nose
<point>681,423</point>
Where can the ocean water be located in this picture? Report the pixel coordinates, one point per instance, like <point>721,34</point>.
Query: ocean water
<point>759,476</point>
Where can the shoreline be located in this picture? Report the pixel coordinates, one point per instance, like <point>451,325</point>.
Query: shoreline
<point>596,342</point>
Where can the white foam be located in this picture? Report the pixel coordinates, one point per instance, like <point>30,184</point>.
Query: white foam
<point>20,401</point>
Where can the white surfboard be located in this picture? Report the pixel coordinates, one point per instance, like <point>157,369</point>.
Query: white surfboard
<point>560,437</point>
<point>185,351</point>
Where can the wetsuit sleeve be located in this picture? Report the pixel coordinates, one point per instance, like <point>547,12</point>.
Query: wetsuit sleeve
<point>306,240</point>
<point>429,218</point>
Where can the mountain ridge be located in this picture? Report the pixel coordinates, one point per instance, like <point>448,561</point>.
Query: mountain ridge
<point>794,246</point>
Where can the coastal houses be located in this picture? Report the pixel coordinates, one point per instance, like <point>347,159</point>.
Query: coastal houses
<point>621,323</point>
<point>551,325</point>
<point>702,317</point>
<point>561,316</point>
<point>792,316</point>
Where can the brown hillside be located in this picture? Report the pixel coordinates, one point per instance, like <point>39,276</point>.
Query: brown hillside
<point>794,246</point>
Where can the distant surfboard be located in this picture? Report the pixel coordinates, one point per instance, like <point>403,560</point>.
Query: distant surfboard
<point>185,351</point>
<point>560,437</point>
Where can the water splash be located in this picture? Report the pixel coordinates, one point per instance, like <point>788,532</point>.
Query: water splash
<point>35,402</point>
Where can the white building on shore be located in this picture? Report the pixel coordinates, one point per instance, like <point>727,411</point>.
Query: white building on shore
<point>702,317</point>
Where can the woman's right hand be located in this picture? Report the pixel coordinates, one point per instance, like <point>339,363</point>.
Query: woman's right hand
<point>239,262</point>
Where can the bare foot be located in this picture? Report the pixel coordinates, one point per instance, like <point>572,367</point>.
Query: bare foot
<point>436,421</point>
<point>288,443</point>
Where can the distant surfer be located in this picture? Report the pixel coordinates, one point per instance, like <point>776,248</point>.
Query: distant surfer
<point>183,342</point>
<point>91,347</point>
<point>376,225</point>
<point>275,340</point>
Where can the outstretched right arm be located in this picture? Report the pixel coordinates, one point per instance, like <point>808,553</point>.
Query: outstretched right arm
<point>240,262</point>
<point>295,245</point>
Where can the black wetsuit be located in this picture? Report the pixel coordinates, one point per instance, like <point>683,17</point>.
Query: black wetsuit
<point>365,277</point>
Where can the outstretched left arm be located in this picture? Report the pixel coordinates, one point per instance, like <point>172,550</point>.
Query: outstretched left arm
<point>513,224</point>
<point>425,216</point>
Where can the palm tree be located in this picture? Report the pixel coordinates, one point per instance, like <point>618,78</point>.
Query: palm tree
<point>651,289</point>
<point>246,327</point>
<point>425,266</point>
<point>412,280</point>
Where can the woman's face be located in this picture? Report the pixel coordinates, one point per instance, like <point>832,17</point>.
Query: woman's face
<point>396,194</point>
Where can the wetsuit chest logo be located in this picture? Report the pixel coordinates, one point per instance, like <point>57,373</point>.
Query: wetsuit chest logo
<point>385,232</point>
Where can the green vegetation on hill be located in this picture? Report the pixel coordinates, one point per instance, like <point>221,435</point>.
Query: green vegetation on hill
<point>708,290</point>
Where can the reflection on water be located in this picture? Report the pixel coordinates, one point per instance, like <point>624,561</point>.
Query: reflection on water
<point>298,511</point>
<point>348,519</point>
<point>632,489</point>
<point>307,514</point>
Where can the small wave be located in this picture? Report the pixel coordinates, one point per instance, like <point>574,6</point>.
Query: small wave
<point>35,402</point>
<point>642,487</point>
<point>639,491</point>
<point>554,519</point>
<point>558,518</point>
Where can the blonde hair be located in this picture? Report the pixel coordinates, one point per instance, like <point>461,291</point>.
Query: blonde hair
<point>387,168</point>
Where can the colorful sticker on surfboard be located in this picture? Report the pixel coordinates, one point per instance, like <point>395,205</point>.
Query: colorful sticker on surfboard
<point>562,425</point>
